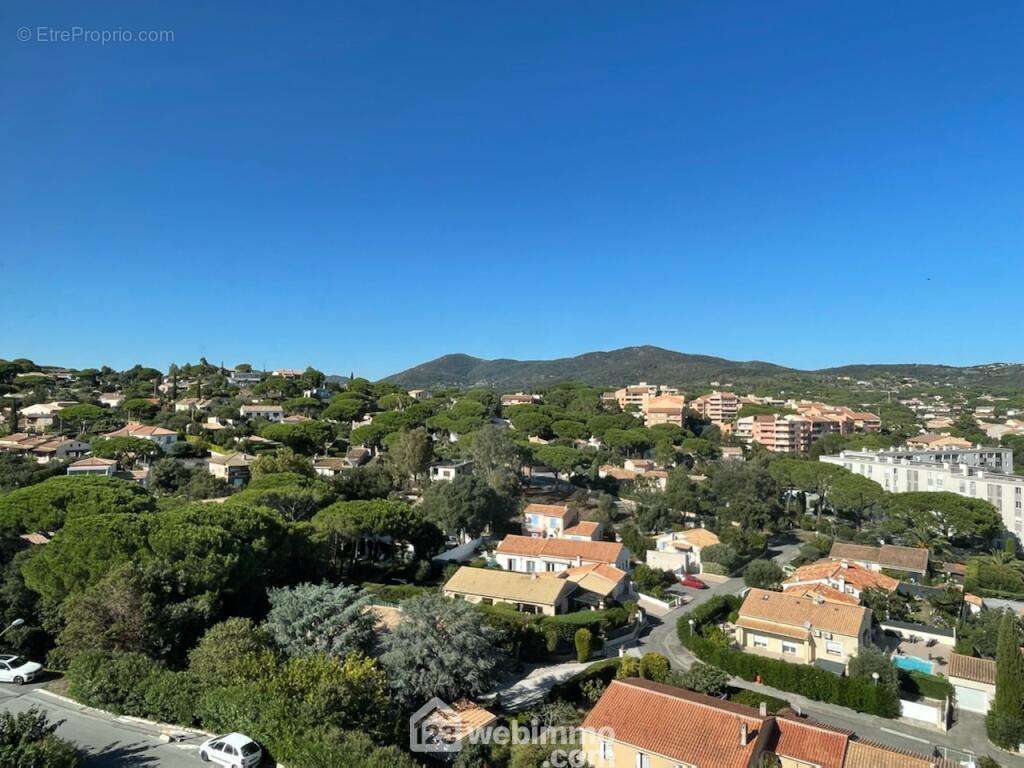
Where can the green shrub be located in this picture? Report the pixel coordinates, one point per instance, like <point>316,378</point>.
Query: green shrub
<point>170,697</point>
<point>629,667</point>
<point>582,640</point>
<point>654,666</point>
<point>754,699</point>
<point>916,685</point>
<point>114,681</point>
<point>1004,730</point>
<point>603,671</point>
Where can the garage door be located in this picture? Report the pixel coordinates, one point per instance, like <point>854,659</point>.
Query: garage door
<point>971,699</point>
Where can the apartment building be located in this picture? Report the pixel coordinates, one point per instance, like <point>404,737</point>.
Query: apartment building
<point>717,407</point>
<point>663,409</point>
<point>632,397</point>
<point>977,473</point>
<point>778,433</point>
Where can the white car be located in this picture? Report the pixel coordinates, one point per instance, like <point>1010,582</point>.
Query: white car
<point>14,669</point>
<point>235,750</point>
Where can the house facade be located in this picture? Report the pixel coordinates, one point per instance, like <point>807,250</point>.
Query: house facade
<point>528,593</point>
<point>680,551</point>
<point>527,554</point>
<point>544,520</point>
<point>802,630</point>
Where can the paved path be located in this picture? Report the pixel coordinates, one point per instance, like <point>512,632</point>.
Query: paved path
<point>532,687</point>
<point>107,741</point>
<point>968,732</point>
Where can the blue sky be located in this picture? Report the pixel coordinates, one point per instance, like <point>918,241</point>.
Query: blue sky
<point>369,185</point>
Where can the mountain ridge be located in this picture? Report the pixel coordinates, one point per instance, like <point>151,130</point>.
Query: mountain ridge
<point>664,366</point>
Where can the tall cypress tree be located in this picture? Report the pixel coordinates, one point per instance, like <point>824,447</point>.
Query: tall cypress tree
<point>1005,720</point>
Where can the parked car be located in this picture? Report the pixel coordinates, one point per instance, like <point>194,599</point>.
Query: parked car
<point>692,582</point>
<point>233,750</point>
<point>14,669</point>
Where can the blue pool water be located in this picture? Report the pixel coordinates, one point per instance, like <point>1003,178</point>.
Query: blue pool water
<point>912,662</point>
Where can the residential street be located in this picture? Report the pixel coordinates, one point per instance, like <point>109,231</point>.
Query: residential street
<point>108,742</point>
<point>967,733</point>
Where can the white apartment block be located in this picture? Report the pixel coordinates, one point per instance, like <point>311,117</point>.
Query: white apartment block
<point>977,473</point>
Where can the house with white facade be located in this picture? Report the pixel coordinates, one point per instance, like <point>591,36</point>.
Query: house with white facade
<point>528,554</point>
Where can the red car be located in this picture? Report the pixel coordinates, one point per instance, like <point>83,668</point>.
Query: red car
<point>692,582</point>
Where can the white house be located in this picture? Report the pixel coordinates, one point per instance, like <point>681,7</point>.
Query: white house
<point>528,554</point>
<point>267,411</point>
<point>446,471</point>
<point>679,551</point>
<point>165,438</point>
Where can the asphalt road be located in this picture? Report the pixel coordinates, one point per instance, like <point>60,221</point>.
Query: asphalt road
<point>107,742</point>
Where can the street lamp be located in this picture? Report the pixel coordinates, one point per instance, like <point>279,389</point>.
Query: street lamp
<point>691,623</point>
<point>875,676</point>
<point>15,623</point>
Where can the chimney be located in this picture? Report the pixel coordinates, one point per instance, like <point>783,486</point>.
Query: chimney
<point>762,709</point>
<point>743,734</point>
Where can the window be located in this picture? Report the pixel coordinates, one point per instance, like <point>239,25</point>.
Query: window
<point>513,564</point>
<point>553,523</point>
<point>606,750</point>
<point>642,760</point>
<point>788,647</point>
<point>758,641</point>
<point>834,648</point>
<point>530,565</point>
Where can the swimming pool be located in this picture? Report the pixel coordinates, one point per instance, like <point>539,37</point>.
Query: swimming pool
<point>912,662</point>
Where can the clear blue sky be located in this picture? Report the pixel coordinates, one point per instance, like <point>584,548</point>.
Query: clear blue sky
<point>368,186</point>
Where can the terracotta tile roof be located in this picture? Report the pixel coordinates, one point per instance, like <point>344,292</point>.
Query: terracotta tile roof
<point>566,549</point>
<point>645,715</point>
<point>506,585</point>
<point>972,668</point>
<point>617,473</point>
<point>585,528</point>
<point>758,625</point>
<point>599,578</point>
<point>888,555</point>
<point>560,511</point>
<point>809,742</point>
<point>826,593</point>
<point>458,721</point>
<point>867,754</point>
<point>94,461</point>
<point>960,569</point>
<point>700,537</point>
<point>782,608</point>
<point>134,429</point>
<point>851,573</point>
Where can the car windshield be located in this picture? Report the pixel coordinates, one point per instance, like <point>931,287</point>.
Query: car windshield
<point>250,749</point>
<point>17,661</point>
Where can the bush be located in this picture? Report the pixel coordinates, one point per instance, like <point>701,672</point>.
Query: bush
<point>571,690</point>
<point>916,685</point>
<point>27,740</point>
<point>170,697</point>
<point>582,641</point>
<point>763,574</point>
<point>654,666</point>
<point>629,667</point>
<point>754,699</point>
<point>705,679</point>
<point>114,681</point>
<point>856,693</point>
<point>1004,730</point>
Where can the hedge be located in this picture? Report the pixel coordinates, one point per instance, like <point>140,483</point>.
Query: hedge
<point>860,694</point>
<point>917,684</point>
<point>396,593</point>
<point>754,699</point>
